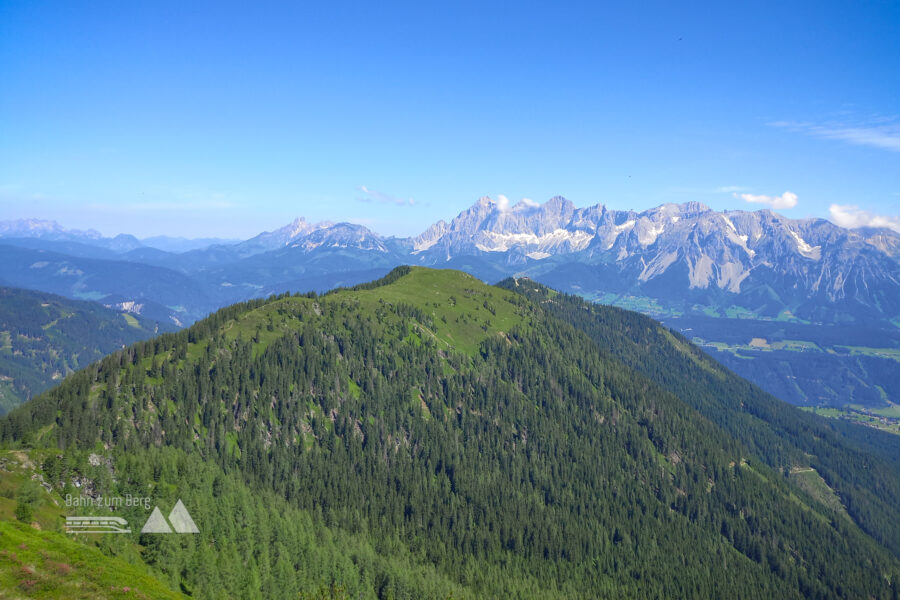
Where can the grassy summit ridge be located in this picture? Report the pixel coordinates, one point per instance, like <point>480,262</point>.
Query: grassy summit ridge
<point>435,435</point>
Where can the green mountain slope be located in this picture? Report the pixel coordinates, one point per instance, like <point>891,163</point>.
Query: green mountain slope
<point>37,560</point>
<point>44,337</point>
<point>254,544</point>
<point>429,435</point>
<point>859,463</point>
<point>37,564</point>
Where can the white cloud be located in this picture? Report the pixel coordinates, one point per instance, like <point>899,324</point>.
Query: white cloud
<point>502,202</point>
<point>887,138</point>
<point>373,195</point>
<point>878,133</point>
<point>847,215</point>
<point>729,189</point>
<point>786,200</point>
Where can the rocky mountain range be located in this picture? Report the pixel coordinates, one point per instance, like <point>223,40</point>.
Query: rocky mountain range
<point>687,254</point>
<point>673,262</point>
<point>761,260</point>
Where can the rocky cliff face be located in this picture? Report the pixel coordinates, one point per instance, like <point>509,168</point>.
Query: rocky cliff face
<point>686,247</point>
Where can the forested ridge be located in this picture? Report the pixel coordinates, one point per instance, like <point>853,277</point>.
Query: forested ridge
<point>430,436</point>
<point>860,463</point>
<point>44,337</point>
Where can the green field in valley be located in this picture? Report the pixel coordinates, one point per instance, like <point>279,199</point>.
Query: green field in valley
<point>885,419</point>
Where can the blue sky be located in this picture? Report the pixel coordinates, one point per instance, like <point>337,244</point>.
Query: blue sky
<point>231,118</point>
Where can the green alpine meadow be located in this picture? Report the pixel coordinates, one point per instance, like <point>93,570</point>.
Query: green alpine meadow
<point>427,435</point>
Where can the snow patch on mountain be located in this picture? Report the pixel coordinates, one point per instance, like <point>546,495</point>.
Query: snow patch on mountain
<point>625,226</point>
<point>814,252</point>
<point>502,242</point>
<point>729,223</point>
<point>647,232</point>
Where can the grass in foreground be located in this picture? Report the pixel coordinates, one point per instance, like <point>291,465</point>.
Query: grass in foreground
<point>42,564</point>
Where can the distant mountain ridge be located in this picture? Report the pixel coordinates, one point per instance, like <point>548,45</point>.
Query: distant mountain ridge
<point>676,262</point>
<point>719,249</point>
<point>761,260</point>
<point>51,231</point>
<point>689,247</point>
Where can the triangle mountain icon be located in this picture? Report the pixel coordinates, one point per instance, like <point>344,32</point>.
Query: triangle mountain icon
<point>156,523</point>
<point>181,520</point>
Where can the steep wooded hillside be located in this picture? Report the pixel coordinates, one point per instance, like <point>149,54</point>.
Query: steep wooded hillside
<point>433,435</point>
